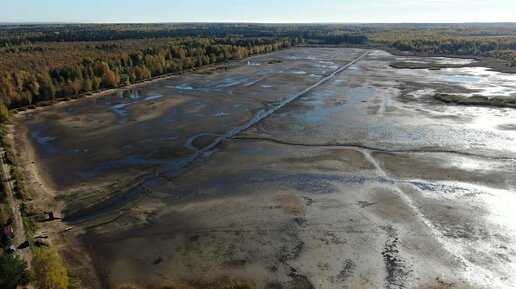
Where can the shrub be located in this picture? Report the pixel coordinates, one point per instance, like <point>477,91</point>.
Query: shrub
<point>48,270</point>
<point>4,113</point>
<point>4,215</point>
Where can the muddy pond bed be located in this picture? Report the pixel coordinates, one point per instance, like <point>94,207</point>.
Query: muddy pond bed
<point>315,167</point>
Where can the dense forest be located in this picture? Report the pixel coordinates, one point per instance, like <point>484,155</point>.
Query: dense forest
<point>21,34</point>
<point>28,87</point>
<point>44,62</point>
<point>449,42</point>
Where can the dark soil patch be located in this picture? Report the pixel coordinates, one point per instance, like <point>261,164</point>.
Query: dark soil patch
<point>431,66</point>
<point>299,281</point>
<point>396,271</point>
<point>476,100</point>
<point>293,252</point>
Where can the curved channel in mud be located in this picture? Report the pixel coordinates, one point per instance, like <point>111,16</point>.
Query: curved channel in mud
<point>140,189</point>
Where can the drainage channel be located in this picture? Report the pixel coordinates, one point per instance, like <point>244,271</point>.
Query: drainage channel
<point>140,189</point>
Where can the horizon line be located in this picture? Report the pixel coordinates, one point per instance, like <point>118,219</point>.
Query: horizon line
<point>248,22</point>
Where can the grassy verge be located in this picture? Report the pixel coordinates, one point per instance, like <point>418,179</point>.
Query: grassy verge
<point>28,223</point>
<point>476,100</point>
<point>10,158</point>
<point>6,212</point>
<point>19,189</point>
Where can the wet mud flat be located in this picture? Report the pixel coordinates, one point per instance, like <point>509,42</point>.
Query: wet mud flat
<point>363,181</point>
<point>117,140</point>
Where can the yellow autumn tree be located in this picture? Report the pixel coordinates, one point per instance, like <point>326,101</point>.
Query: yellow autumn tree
<point>4,113</point>
<point>48,270</point>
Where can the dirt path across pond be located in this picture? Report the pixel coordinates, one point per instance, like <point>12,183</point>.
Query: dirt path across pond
<point>126,198</point>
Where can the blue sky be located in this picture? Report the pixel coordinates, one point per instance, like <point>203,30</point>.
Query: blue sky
<point>101,11</point>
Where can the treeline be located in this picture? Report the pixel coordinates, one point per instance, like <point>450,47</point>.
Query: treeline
<point>25,34</point>
<point>454,45</point>
<point>25,88</point>
<point>447,42</point>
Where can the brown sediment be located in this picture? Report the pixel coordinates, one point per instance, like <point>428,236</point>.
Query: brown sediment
<point>374,192</point>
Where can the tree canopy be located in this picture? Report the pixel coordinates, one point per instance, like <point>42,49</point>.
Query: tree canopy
<point>13,272</point>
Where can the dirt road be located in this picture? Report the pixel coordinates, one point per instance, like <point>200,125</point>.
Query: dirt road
<point>14,203</point>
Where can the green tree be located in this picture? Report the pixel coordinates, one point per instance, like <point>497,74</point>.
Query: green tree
<point>7,89</point>
<point>31,85</point>
<point>95,84</point>
<point>74,86</point>
<point>47,89</point>
<point>86,85</point>
<point>13,272</point>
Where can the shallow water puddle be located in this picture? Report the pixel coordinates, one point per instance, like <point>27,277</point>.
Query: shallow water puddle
<point>132,94</point>
<point>460,78</point>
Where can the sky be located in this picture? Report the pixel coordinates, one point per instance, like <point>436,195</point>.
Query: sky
<point>268,11</point>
